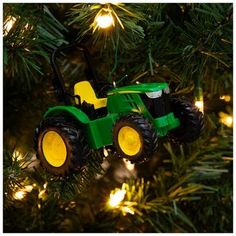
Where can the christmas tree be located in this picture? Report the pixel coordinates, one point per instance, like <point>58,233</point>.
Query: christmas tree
<point>183,187</point>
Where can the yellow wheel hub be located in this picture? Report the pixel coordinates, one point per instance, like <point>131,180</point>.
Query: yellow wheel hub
<point>129,140</point>
<point>54,148</point>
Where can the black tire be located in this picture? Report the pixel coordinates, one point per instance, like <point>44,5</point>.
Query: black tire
<point>147,134</point>
<point>77,150</point>
<point>191,121</point>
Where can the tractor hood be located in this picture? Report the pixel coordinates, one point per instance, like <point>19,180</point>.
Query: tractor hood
<point>139,88</point>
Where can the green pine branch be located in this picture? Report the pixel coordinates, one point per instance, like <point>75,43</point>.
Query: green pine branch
<point>30,33</point>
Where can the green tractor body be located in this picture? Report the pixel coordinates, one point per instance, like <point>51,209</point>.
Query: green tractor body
<point>122,101</point>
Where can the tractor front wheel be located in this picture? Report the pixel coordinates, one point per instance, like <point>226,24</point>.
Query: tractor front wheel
<point>60,146</point>
<point>134,138</point>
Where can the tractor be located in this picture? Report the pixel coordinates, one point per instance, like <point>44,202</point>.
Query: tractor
<point>129,120</point>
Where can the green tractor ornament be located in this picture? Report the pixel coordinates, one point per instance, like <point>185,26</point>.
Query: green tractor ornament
<point>128,120</point>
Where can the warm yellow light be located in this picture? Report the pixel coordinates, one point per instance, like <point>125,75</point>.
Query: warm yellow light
<point>104,21</point>
<point>19,195</point>
<point>229,121</point>
<point>128,210</point>
<point>45,185</point>
<point>200,105</point>
<point>112,2</point>
<point>8,24</point>
<point>226,119</point>
<point>42,194</point>
<point>226,98</point>
<point>129,165</point>
<point>105,152</point>
<point>116,197</point>
<point>17,155</point>
<point>28,188</point>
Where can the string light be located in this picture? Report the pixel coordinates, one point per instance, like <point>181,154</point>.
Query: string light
<point>45,185</point>
<point>200,105</point>
<point>127,210</point>
<point>104,21</point>
<point>116,201</point>
<point>28,188</point>
<point>199,101</point>
<point>115,2</point>
<point>226,98</point>
<point>17,155</point>
<point>105,18</point>
<point>8,24</point>
<point>129,165</point>
<point>116,197</point>
<point>226,119</point>
<point>42,194</point>
<point>105,152</point>
<point>19,195</point>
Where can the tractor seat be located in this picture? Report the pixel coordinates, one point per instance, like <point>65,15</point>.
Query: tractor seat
<point>87,94</point>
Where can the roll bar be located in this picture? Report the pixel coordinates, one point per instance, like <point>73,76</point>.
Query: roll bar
<point>58,82</point>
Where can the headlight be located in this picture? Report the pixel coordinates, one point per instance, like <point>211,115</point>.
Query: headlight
<point>167,90</point>
<point>155,94</point>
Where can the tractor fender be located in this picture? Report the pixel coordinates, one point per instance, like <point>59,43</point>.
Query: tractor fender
<point>72,111</point>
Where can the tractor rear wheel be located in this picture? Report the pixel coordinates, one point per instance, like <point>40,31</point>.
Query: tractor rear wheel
<point>61,147</point>
<point>191,121</point>
<point>134,138</point>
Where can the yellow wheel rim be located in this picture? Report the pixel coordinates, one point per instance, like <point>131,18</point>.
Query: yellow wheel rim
<point>129,140</point>
<point>54,149</point>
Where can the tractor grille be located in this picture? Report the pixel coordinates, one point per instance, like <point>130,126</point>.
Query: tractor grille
<point>157,106</point>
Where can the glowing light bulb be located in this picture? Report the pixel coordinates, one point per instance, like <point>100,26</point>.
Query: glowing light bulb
<point>115,2</point>
<point>17,155</point>
<point>10,21</point>
<point>28,188</point>
<point>128,210</point>
<point>199,100</point>
<point>42,194</point>
<point>226,119</point>
<point>229,121</point>
<point>129,165</point>
<point>104,21</point>
<point>45,185</point>
<point>226,98</point>
<point>200,105</point>
<point>19,195</point>
<point>105,152</point>
<point>117,197</point>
